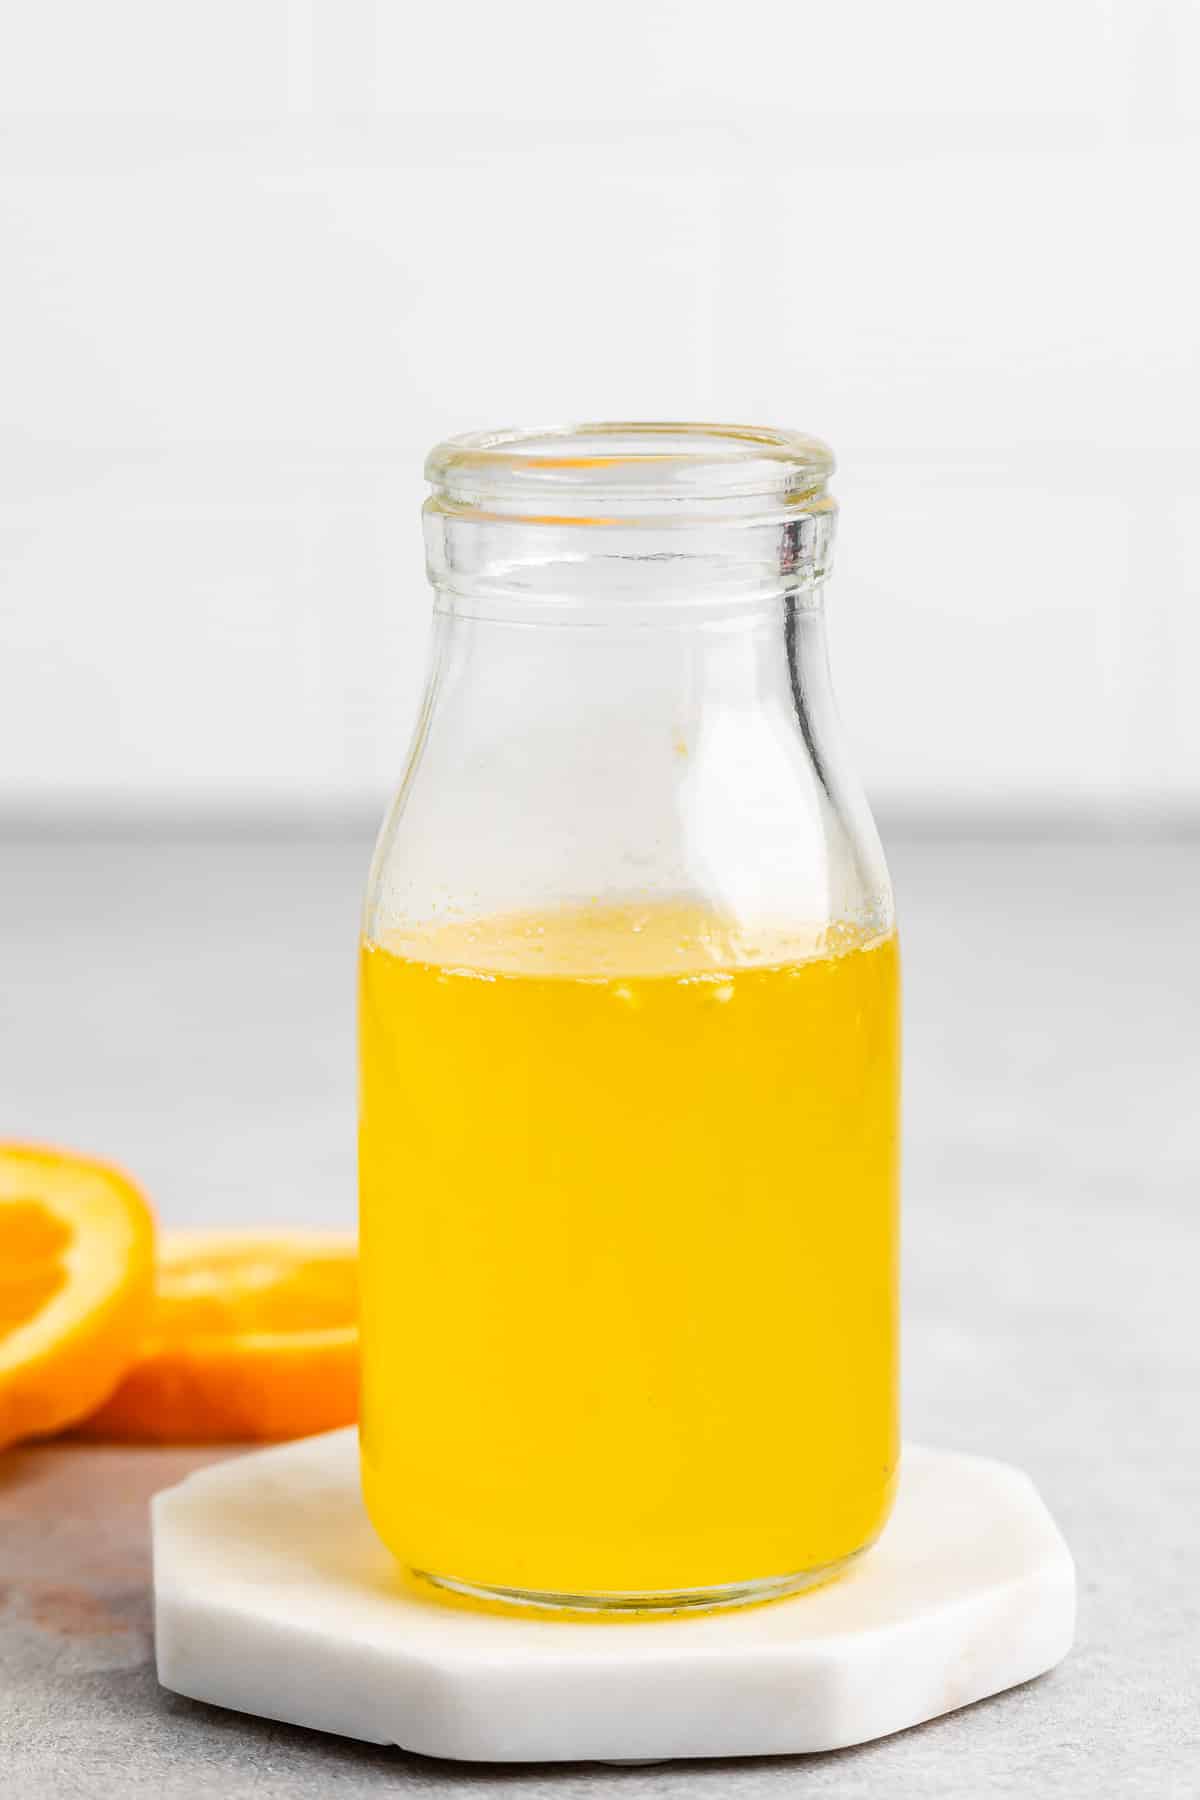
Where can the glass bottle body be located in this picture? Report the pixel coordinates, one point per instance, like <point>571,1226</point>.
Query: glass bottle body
<point>629,1098</point>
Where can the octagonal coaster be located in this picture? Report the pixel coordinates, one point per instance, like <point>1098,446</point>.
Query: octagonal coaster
<point>273,1596</point>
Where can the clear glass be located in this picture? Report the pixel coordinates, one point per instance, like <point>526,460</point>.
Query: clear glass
<point>629,1041</point>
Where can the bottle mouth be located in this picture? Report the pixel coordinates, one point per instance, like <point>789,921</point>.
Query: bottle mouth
<point>618,472</point>
<point>601,520</point>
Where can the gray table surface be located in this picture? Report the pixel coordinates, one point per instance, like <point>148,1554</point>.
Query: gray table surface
<point>185,1006</point>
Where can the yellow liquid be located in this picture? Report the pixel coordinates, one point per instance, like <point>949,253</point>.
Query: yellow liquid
<point>629,1248</point>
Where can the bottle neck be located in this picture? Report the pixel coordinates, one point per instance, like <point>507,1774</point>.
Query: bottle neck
<point>642,570</point>
<point>628,516</point>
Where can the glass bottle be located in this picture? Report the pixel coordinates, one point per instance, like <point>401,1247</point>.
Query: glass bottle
<point>629,1035</point>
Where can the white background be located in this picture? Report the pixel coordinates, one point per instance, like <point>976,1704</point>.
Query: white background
<point>258,254</point>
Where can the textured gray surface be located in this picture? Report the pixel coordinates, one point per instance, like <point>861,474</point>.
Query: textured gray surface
<point>186,1007</point>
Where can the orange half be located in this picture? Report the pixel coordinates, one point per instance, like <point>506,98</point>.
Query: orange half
<point>253,1336</point>
<point>76,1277</point>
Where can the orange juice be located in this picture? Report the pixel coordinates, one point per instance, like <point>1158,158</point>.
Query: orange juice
<point>629,1250</point>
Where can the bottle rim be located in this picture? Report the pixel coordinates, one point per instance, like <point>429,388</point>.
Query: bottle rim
<point>608,471</point>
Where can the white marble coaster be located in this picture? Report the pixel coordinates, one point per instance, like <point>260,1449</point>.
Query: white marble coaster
<point>274,1597</point>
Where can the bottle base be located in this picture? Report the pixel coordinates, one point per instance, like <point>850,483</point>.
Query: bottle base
<point>655,1601</point>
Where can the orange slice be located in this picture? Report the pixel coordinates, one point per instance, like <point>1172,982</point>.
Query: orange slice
<point>76,1276</point>
<point>254,1335</point>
